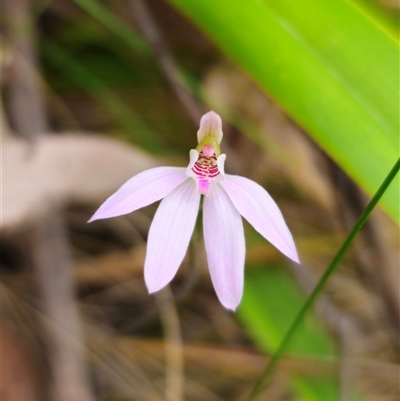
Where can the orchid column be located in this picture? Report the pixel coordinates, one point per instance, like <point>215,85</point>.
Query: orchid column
<point>226,199</point>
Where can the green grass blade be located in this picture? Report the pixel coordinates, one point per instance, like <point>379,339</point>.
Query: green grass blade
<point>114,24</point>
<point>141,133</point>
<point>271,301</point>
<point>321,283</point>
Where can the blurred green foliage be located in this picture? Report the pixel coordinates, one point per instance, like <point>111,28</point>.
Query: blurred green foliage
<point>329,65</point>
<point>271,301</point>
<point>80,54</point>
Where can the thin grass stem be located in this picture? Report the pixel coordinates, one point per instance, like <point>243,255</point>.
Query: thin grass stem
<point>321,283</point>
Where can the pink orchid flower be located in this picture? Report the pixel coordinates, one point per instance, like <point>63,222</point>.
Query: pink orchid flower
<point>227,197</point>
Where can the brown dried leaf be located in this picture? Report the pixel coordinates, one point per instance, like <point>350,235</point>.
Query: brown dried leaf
<point>57,169</point>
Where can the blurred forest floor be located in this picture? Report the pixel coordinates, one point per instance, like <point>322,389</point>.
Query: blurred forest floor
<point>83,112</point>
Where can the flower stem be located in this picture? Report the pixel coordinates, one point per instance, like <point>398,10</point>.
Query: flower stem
<point>318,288</point>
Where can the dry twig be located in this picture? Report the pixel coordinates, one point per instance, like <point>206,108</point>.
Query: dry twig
<point>165,60</point>
<point>173,345</point>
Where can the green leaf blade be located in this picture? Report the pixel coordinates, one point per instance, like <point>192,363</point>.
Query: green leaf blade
<point>341,87</point>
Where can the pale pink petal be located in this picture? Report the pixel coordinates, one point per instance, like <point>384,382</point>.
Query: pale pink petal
<point>169,235</point>
<point>255,204</point>
<point>141,190</point>
<point>194,156</point>
<point>225,246</point>
<point>221,163</point>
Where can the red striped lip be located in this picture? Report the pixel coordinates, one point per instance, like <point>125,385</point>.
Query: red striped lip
<point>206,167</point>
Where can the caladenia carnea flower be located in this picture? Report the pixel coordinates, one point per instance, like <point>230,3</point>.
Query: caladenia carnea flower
<point>226,198</point>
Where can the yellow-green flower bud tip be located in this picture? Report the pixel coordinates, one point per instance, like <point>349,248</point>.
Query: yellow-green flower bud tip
<point>210,132</point>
